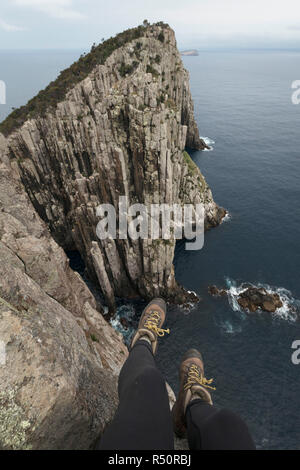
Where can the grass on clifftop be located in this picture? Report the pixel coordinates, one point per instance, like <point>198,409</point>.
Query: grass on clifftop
<point>68,78</point>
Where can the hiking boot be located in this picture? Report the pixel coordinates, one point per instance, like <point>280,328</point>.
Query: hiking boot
<point>151,322</point>
<point>193,385</point>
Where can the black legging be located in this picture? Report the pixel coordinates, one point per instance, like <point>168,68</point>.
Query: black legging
<point>143,419</point>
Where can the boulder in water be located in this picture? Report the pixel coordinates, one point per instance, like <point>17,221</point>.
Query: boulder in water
<point>254,298</point>
<point>124,323</point>
<point>213,290</point>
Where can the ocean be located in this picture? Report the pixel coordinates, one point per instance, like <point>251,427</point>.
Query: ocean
<point>243,105</point>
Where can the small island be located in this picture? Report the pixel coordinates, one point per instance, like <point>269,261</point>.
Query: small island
<point>190,52</point>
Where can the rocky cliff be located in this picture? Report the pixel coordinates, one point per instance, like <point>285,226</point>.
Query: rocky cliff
<point>116,127</point>
<point>121,131</point>
<point>58,379</point>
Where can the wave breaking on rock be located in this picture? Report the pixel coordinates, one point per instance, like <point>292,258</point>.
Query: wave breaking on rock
<point>288,310</point>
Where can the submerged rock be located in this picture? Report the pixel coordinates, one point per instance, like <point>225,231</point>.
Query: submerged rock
<point>213,290</point>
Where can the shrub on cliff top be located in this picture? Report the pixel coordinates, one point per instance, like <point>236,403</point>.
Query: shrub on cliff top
<point>68,78</point>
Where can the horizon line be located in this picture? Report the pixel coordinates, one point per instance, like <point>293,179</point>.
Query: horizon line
<point>181,49</point>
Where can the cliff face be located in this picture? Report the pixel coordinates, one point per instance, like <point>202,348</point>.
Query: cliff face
<point>119,132</point>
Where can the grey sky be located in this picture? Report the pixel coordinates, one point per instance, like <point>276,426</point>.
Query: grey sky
<point>76,24</point>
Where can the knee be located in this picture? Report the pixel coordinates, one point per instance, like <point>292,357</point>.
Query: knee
<point>150,376</point>
<point>146,380</point>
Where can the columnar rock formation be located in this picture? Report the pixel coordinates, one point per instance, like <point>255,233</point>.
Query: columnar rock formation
<point>119,132</point>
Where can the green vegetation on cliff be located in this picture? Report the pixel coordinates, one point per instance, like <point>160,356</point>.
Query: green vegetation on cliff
<point>68,78</point>
<point>191,164</point>
<point>193,169</point>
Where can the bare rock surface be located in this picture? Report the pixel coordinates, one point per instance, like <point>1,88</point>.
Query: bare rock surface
<point>58,386</point>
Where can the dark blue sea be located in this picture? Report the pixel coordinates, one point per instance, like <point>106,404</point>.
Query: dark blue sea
<point>242,103</point>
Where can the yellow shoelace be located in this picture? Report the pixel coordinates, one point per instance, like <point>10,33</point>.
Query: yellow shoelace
<point>195,377</point>
<point>152,324</point>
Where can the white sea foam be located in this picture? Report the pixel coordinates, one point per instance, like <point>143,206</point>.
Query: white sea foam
<point>229,328</point>
<point>227,218</point>
<point>208,142</point>
<point>187,307</point>
<point>192,292</point>
<point>289,310</point>
<point>126,311</point>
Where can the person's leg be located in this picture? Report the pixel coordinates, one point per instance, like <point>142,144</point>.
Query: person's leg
<point>194,413</point>
<point>212,429</point>
<point>143,419</point>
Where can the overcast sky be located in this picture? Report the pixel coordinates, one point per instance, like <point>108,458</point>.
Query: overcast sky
<point>203,24</point>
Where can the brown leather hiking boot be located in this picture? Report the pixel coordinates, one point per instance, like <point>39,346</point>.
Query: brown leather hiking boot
<point>151,322</point>
<point>193,385</point>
